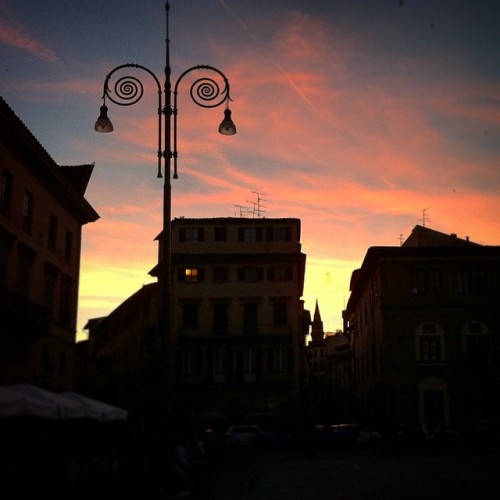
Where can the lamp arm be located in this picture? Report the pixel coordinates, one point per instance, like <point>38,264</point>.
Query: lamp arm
<point>128,90</point>
<point>205,92</point>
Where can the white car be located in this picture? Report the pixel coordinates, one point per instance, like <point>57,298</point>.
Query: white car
<point>241,435</point>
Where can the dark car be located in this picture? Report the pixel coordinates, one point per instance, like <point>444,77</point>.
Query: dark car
<point>241,435</point>
<point>339,436</point>
<point>278,441</point>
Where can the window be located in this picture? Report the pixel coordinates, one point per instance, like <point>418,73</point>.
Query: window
<point>279,233</point>
<point>26,257</point>
<point>199,360</point>
<point>28,208</point>
<point>249,365</point>
<point>51,273</point>
<point>219,366</point>
<point>6,183</point>
<point>280,314</point>
<point>427,280</point>
<point>433,277</point>
<point>68,247</point>
<point>471,281</point>
<point>250,323</point>
<point>191,275</point>
<point>52,240</point>
<point>4,260</point>
<point>281,273</point>
<point>220,319</point>
<point>220,234</point>
<point>278,359</point>
<point>190,315</point>
<point>430,349</point>
<point>191,234</point>
<point>430,343</point>
<point>476,343</point>
<point>67,302</point>
<point>221,274</point>
<point>250,274</point>
<point>250,234</point>
<point>186,362</point>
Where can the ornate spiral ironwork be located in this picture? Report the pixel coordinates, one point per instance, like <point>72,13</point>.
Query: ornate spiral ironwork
<point>206,92</point>
<point>127,91</point>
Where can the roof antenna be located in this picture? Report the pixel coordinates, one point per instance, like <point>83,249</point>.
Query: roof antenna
<point>257,207</point>
<point>424,218</point>
<point>243,210</point>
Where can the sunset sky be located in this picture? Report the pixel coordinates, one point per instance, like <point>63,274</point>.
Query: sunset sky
<point>356,116</point>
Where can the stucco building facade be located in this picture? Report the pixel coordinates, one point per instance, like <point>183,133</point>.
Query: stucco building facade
<point>423,321</point>
<point>42,211</point>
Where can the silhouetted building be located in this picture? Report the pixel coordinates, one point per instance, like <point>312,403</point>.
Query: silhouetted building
<point>119,361</point>
<point>316,365</point>
<point>42,211</point>
<point>237,331</point>
<point>237,314</point>
<point>423,321</point>
<point>324,400</point>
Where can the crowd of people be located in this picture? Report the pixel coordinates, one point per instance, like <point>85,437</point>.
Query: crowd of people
<point>77,463</point>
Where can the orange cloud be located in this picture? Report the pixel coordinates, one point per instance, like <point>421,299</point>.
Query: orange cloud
<point>353,151</point>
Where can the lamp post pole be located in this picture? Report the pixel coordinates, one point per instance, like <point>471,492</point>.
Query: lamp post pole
<point>205,91</point>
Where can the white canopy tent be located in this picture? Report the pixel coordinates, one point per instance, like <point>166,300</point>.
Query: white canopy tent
<point>65,408</point>
<point>17,404</point>
<point>103,411</point>
<point>21,400</point>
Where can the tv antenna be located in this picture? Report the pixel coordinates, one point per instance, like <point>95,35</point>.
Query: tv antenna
<point>243,210</point>
<point>425,217</point>
<point>257,207</point>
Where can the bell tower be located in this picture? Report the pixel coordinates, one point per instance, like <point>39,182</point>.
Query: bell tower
<point>317,332</point>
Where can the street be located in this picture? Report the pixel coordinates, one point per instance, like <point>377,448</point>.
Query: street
<point>359,474</point>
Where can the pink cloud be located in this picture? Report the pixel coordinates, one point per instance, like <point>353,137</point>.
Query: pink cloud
<point>16,36</point>
<point>356,156</point>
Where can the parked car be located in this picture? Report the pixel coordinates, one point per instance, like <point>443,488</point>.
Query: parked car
<point>278,441</point>
<point>346,435</point>
<point>241,435</point>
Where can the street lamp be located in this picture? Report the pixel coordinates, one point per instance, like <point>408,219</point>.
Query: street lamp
<point>205,91</point>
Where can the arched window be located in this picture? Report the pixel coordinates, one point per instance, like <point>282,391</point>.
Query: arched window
<point>430,348</point>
